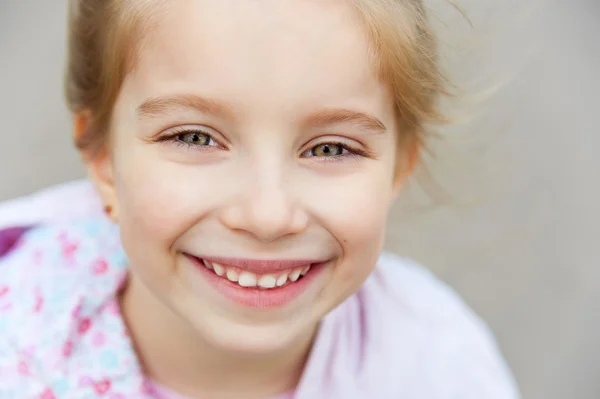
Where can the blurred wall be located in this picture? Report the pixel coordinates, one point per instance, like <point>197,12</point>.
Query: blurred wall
<point>516,217</point>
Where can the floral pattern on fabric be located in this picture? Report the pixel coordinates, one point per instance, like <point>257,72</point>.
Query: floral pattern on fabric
<point>63,334</point>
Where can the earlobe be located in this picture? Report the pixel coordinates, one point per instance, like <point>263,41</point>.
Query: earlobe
<point>99,166</point>
<point>100,169</point>
<point>81,122</point>
<point>405,167</point>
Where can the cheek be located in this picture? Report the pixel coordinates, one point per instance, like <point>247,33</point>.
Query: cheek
<point>151,201</point>
<point>158,202</point>
<point>355,211</point>
<point>356,206</point>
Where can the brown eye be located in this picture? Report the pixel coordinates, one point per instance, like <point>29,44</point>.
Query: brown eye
<point>196,138</point>
<point>327,150</point>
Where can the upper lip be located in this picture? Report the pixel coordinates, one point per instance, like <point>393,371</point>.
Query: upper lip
<point>260,266</point>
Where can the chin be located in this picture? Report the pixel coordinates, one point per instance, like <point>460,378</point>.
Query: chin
<point>252,339</point>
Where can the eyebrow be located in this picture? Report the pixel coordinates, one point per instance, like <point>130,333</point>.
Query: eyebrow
<point>163,105</point>
<point>337,116</point>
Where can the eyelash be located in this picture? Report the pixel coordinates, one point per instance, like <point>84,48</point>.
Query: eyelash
<point>173,138</point>
<point>351,153</point>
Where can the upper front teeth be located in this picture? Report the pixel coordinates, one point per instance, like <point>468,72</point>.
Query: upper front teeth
<point>281,280</point>
<point>220,270</point>
<point>232,275</point>
<point>249,279</point>
<point>267,281</point>
<point>295,275</point>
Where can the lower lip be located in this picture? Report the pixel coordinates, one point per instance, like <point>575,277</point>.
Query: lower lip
<point>257,297</point>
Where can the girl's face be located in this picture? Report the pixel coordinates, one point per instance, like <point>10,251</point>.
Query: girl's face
<point>254,143</point>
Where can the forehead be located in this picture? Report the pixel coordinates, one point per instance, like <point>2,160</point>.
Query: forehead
<point>267,51</point>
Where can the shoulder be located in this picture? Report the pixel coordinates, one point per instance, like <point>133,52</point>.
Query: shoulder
<point>445,338</point>
<point>52,263</point>
<point>55,276</point>
<point>64,202</point>
<point>60,253</point>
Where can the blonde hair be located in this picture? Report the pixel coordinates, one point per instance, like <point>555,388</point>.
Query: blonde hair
<point>100,54</point>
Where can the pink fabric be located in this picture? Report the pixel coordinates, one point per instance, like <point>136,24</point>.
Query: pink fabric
<point>402,335</point>
<point>161,392</point>
<point>9,238</point>
<point>64,202</point>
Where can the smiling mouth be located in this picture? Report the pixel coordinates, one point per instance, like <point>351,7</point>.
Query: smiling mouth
<point>248,279</point>
<point>260,284</point>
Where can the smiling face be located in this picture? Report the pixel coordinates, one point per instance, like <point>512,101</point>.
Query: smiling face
<point>252,141</point>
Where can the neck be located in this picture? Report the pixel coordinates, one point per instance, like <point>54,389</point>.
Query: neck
<point>174,355</point>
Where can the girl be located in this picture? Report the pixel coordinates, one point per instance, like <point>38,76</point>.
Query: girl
<point>246,155</point>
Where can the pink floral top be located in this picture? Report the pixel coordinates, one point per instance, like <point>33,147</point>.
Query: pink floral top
<point>62,329</point>
<point>403,335</point>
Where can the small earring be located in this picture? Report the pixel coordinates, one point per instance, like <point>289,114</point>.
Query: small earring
<point>108,210</point>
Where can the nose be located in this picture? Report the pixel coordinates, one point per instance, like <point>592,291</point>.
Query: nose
<point>265,210</point>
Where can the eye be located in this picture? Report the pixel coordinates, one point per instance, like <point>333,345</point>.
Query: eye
<point>328,150</point>
<point>336,151</point>
<point>196,139</point>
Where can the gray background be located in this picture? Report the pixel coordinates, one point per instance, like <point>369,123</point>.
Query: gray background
<point>515,182</point>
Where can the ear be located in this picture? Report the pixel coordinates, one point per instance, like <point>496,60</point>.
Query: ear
<point>99,167</point>
<point>405,166</point>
